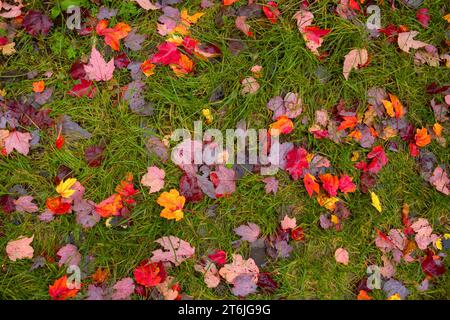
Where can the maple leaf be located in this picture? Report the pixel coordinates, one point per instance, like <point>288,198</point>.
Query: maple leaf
<point>25,204</point>
<point>58,205</point>
<point>112,35</point>
<point>20,141</point>
<point>310,184</point>
<point>111,206</point>
<point>296,161</point>
<point>147,68</point>
<point>183,66</point>
<point>423,16</point>
<point>146,4</point>
<point>60,291</point>
<point>69,255</point>
<point>97,69</point>
<point>36,23</point>
<point>149,273</point>
<point>210,274</point>
<point>176,250</point>
<point>406,41</point>
<point>38,86</point>
<point>225,181</point>
<point>440,180</point>
<point>330,183</point>
<point>64,187</point>
<point>304,19</point>
<point>239,266</point>
<point>271,185</point>
<point>394,108</point>
<point>249,232</point>
<point>123,289</point>
<point>249,86</point>
<point>375,201</point>
<point>355,59</point>
<point>349,122</point>
<point>173,204</point>
<point>422,138</point>
<point>341,256</point>
<point>219,257</point>
<point>84,88</point>
<point>271,11</point>
<point>346,184</point>
<point>283,125</point>
<point>154,179</point>
<point>167,54</point>
<point>20,248</point>
<point>288,223</point>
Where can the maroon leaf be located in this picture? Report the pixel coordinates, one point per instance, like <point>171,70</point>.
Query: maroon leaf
<point>266,283</point>
<point>77,70</point>
<point>368,181</point>
<point>84,88</point>
<point>36,23</point>
<point>190,188</point>
<point>94,155</point>
<point>62,174</point>
<point>7,203</point>
<point>433,267</point>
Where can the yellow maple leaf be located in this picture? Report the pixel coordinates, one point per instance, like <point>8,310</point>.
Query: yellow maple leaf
<point>63,187</point>
<point>447,17</point>
<point>376,201</point>
<point>173,204</point>
<point>395,297</point>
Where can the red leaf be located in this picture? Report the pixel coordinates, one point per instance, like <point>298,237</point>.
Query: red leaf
<point>167,54</point>
<point>423,17</point>
<point>84,88</point>
<point>330,183</point>
<point>271,11</point>
<point>346,184</point>
<point>219,257</point>
<point>432,265</point>
<point>190,189</point>
<point>295,162</point>
<point>59,141</point>
<point>310,184</point>
<point>94,155</point>
<point>149,274</point>
<point>59,290</point>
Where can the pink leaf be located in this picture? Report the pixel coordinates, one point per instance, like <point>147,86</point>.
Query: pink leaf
<point>19,141</point>
<point>97,69</point>
<point>239,266</point>
<point>242,25</point>
<point>25,204</point>
<point>176,250</point>
<point>154,179</point>
<point>20,248</point>
<point>440,180</point>
<point>304,19</point>
<point>271,184</point>
<point>123,289</point>
<point>210,274</point>
<point>341,256</point>
<point>355,59</point>
<point>146,4</point>
<point>69,255</point>
<point>406,41</point>
<point>424,233</point>
<point>249,232</point>
<point>288,223</point>
<point>249,85</point>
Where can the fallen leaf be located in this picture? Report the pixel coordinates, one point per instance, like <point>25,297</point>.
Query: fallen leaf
<point>355,59</point>
<point>20,248</point>
<point>249,232</point>
<point>176,250</point>
<point>375,201</point>
<point>341,256</point>
<point>154,179</point>
<point>406,41</point>
<point>97,69</point>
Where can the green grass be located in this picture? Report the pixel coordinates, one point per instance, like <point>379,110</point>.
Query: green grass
<point>311,272</point>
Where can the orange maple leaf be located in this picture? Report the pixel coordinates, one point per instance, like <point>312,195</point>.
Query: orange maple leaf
<point>310,184</point>
<point>173,204</point>
<point>422,137</point>
<point>60,291</point>
<point>283,125</point>
<point>349,122</point>
<point>38,86</point>
<point>112,35</point>
<point>394,108</point>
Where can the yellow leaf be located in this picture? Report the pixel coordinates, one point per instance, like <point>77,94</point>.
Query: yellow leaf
<point>395,297</point>
<point>447,17</point>
<point>334,219</point>
<point>439,244</point>
<point>8,49</point>
<point>173,204</point>
<point>375,201</point>
<point>64,187</point>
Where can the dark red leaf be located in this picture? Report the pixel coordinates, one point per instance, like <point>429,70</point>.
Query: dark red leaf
<point>432,265</point>
<point>7,203</point>
<point>190,188</point>
<point>36,23</point>
<point>77,70</point>
<point>94,155</point>
<point>266,283</point>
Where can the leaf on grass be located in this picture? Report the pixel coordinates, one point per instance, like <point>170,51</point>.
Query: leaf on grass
<point>175,250</point>
<point>249,232</point>
<point>68,255</point>
<point>154,179</point>
<point>19,141</point>
<point>20,248</point>
<point>406,41</point>
<point>440,180</point>
<point>97,69</point>
<point>288,223</point>
<point>341,256</point>
<point>355,59</point>
<point>271,185</point>
<point>375,201</point>
<point>123,289</point>
<point>25,204</point>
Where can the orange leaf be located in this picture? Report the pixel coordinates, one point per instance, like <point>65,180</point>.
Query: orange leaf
<point>38,86</point>
<point>310,184</point>
<point>284,125</point>
<point>349,122</point>
<point>147,68</point>
<point>229,2</point>
<point>437,128</point>
<point>173,204</point>
<point>422,137</point>
<point>60,291</point>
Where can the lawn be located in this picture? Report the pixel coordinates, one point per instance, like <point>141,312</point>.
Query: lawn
<point>118,245</point>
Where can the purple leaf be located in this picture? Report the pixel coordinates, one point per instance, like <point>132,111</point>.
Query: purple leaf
<point>244,285</point>
<point>249,232</point>
<point>134,40</point>
<point>36,23</point>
